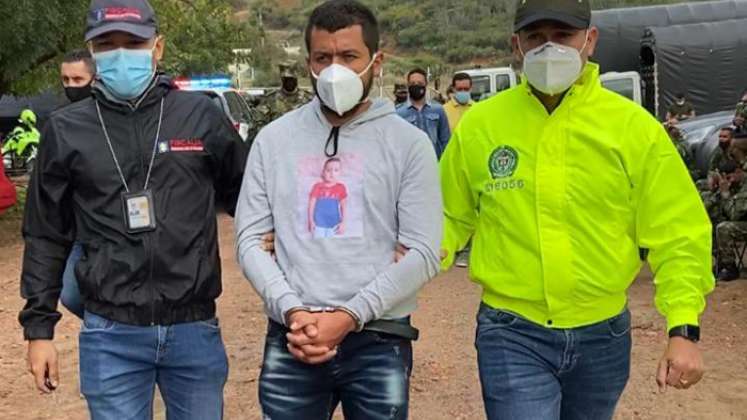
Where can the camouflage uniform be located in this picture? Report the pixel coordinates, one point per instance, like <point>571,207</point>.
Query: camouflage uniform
<point>687,156</point>
<point>734,211</point>
<point>719,157</point>
<point>278,102</point>
<point>681,112</point>
<point>400,89</point>
<point>741,112</point>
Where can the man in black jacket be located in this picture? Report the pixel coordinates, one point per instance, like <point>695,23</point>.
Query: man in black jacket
<point>132,174</point>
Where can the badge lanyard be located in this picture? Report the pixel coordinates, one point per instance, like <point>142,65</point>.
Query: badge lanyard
<point>139,211</point>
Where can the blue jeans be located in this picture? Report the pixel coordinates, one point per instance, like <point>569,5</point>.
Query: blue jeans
<point>121,364</point>
<point>70,296</point>
<point>528,371</point>
<point>370,376</point>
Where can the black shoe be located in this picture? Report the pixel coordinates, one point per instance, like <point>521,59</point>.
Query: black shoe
<point>728,273</point>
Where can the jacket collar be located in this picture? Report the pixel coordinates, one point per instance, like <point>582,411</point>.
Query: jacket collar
<point>410,105</point>
<point>159,87</point>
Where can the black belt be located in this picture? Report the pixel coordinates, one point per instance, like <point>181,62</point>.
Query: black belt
<point>395,328</point>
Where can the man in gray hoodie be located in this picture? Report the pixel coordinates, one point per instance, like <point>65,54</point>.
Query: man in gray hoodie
<point>341,181</point>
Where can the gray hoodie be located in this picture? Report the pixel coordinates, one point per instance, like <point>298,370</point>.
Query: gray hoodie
<point>337,222</point>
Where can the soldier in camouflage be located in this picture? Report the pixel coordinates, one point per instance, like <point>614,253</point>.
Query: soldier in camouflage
<point>401,96</point>
<point>733,207</point>
<point>714,193</point>
<point>720,155</point>
<point>678,139</point>
<point>289,97</point>
<point>740,116</point>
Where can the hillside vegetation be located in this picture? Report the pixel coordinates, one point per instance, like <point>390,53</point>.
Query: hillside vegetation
<point>435,33</point>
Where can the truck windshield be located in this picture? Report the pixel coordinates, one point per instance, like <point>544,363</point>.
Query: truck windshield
<point>480,87</point>
<point>502,82</point>
<point>623,87</point>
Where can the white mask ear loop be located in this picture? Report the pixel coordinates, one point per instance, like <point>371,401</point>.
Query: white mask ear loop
<point>368,67</point>
<point>518,44</point>
<point>586,41</point>
<point>370,64</point>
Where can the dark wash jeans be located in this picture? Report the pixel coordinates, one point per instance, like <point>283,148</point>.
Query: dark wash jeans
<point>528,371</point>
<point>370,376</point>
<point>70,296</point>
<point>120,365</point>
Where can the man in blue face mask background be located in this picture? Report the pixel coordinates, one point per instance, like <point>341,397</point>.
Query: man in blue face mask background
<point>132,173</point>
<point>461,83</point>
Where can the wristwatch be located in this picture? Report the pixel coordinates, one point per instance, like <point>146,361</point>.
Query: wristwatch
<point>690,332</point>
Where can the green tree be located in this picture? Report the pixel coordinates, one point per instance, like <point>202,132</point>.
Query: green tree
<point>34,35</point>
<point>200,34</point>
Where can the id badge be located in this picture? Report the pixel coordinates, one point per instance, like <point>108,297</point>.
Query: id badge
<point>139,212</point>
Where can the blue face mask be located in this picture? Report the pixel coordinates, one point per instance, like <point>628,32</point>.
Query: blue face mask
<point>125,73</point>
<point>462,98</point>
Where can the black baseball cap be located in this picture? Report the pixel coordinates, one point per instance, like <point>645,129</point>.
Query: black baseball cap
<point>135,17</point>
<point>575,13</point>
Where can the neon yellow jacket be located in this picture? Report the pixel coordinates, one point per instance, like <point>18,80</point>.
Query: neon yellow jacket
<point>562,206</point>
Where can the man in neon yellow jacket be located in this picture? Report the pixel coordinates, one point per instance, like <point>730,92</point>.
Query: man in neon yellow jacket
<point>565,189</point>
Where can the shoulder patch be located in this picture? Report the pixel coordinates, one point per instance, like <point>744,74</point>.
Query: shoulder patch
<point>503,162</point>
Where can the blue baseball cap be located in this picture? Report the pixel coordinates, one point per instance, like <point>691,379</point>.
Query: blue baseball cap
<point>135,17</point>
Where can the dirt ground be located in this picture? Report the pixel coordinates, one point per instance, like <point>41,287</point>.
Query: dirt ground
<point>445,382</point>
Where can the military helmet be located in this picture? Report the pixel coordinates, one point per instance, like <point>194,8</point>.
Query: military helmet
<point>27,117</point>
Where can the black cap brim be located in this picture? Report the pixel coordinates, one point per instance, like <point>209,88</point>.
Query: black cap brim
<point>140,31</point>
<point>568,19</point>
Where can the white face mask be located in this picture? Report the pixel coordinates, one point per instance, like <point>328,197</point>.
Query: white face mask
<point>340,88</point>
<point>552,68</point>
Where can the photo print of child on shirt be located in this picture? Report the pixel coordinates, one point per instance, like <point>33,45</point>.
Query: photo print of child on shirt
<point>331,196</point>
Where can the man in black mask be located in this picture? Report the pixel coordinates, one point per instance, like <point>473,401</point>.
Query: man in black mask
<point>77,73</point>
<point>427,115</point>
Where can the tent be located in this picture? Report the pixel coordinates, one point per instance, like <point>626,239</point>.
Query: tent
<point>707,61</point>
<point>621,30</point>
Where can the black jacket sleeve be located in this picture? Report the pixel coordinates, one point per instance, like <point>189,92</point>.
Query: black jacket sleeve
<point>48,231</point>
<point>228,156</point>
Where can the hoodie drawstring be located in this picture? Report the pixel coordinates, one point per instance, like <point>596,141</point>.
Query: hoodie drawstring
<point>335,136</point>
